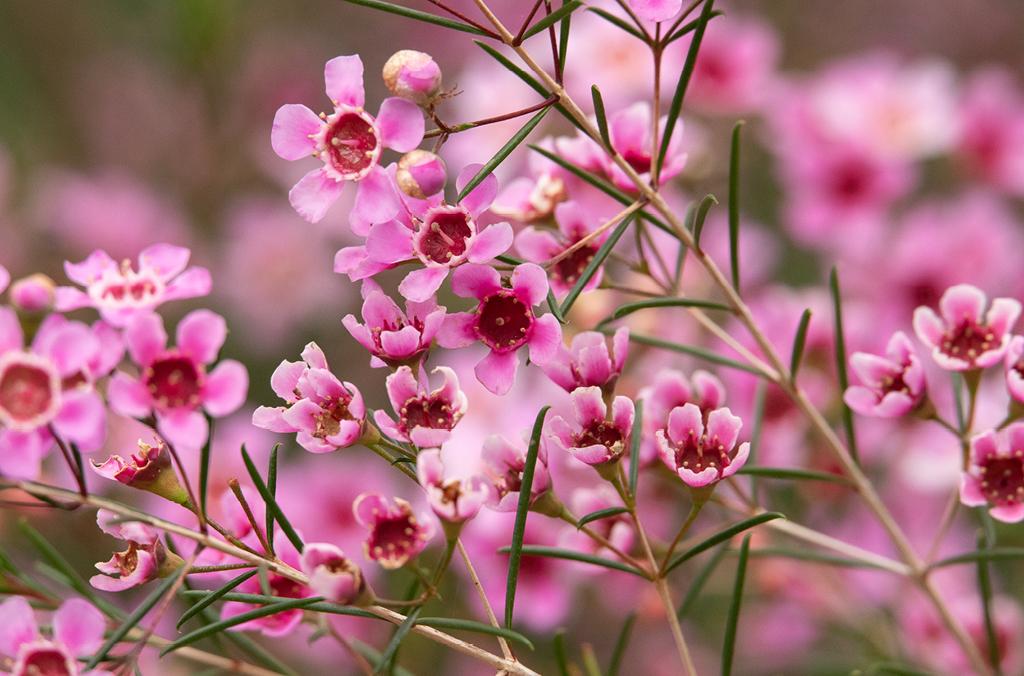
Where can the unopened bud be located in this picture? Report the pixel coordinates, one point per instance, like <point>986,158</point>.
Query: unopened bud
<point>413,75</point>
<point>34,293</point>
<point>148,470</point>
<point>420,174</point>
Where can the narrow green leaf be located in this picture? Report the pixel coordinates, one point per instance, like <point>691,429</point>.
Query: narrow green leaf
<point>699,580</point>
<point>617,22</point>
<point>729,644</point>
<point>553,305</point>
<point>272,488</point>
<point>795,474</point>
<point>572,555</point>
<point>212,597</point>
<point>689,26</point>
<point>812,556</point>
<point>721,536</point>
<point>319,606</point>
<point>204,465</point>
<point>630,308</point>
<point>957,381</point>
<point>600,514</point>
<point>635,437</point>
<point>994,554</point>
<point>76,455</point>
<point>599,113</point>
<point>254,614</point>
<point>271,501</point>
<point>563,40</point>
<point>561,658</point>
<point>841,373</point>
<point>757,426</point>
<point>522,509</point>
<point>986,539</point>
<point>458,624</point>
<point>553,18</point>
<point>620,645</point>
<point>373,656</point>
<point>416,14</point>
<point>596,262</point>
<point>706,355</point>
<point>503,152</point>
<point>388,656</point>
<point>698,217</point>
<point>799,341</point>
<point>734,204</point>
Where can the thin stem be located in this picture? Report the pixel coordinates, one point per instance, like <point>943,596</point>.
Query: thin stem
<point>187,483</point>
<point>948,516</point>
<point>197,570</point>
<point>680,534</point>
<point>636,20</point>
<point>526,22</point>
<point>656,50</point>
<point>462,17</point>
<point>595,233</point>
<point>601,540</point>
<point>491,617</point>
<point>466,126</point>
<point>240,497</point>
<point>76,470</point>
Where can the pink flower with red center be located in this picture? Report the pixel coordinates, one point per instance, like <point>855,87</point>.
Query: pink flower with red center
<point>655,10</point>
<point>541,245</point>
<point>504,463</point>
<point>396,534</point>
<point>701,455</point>
<point>736,66</point>
<point>503,321</point>
<point>332,574</point>
<point>278,624</point>
<point>441,236</point>
<point>455,499</point>
<point>120,292</point>
<point>672,389</point>
<point>1015,368</point>
<point>49,388</point>
<point>630,132</point>
<point>145,559</point>
<point>966,336</point>
<point>325,413</point>
<point>992,129</point>
<point>893,385</point>
<point>173,383</point>
<point>349,142</point>
<point>592,438</point>
<point>995,474</point>
<point>589,361</point>
<point>148,470</point>
<point>425,417</point>
<point>391,336</point>
<point>77,633</point>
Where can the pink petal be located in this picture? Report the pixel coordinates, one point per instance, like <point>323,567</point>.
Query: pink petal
<point>82,418</point>
<point>685,421</point>
<point>723,427</point>
<point>536,245</point>
<point>367,506</point>
<point>429,469</point>
<point>68,298</point>
<point>71,347</point>
<point>10,330</point>
<point>79,626</point>
<point>18,627</point>
<point>225,388</point>
<point>620,348</point>
<point>272,418</point>
<point>146,338</point>
<point>861,400</point>
<point>314,356</point>
<point>475,281</point>
<point>5,278</point>
<point>193,283</point>
<point>1008,513</point>
<point>588,406</point>
<point>984,446</point>
<point>314,194</point>
<point>128,396</point>
<point>970,491</point>
<point>91,269</point>
<point>480,197</point>
<point>490,242</point>
<point>201,334</point>
<point>622,413</point>
<point>530,283</point>
<point>738,461</point>
<point>594,454</point>
<point>593,364</point>
<point>401,124</point>
<point>389,242</point>
<point>545,339</point>
<point>21,454</point>
<point>630,128</point>
<point>167,260</point>
<point>286,377</point>
<point>402,343</point>
<point>343,79</point>
<point>497,372</point>
<point>401,386</point>
<point>376,201</point>
<point>425,437</point>
<point>928,327</point>
<point>291,135</point>
<point>961,302</point>
<point>419,285</point>
<point>1003,315</point>
<point>458,330</point>
<point>656,10</point>
<point>870,368</point>
<point>187,429</point>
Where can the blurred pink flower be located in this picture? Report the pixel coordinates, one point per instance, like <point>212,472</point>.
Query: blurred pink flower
<point>35,293</point>
<point>701,455</point>
<point>736,66</point>
<point>78,630</point>
<point>425,417</point>
<point>992,129</point>
<point>893,385</point>
<point>331,574</point>
<point>1015,368</point>
<point>630,131</point>
<point>504,463</point>
<point>966,336</point>
<point>539,245</point>
<point>592,438</point>
<point>995,474</point>
<point>589,361</point>
<point>454,500</point>
<point>278,624</point>
<point>391,336</point>
<point>396,534</point>
<point>655,10</point>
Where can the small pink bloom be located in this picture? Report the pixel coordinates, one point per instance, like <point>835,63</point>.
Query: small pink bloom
<point>120,293</point>
<point>421,174</point>
<point>326,414</point>
<point>391,336</point>
<point>701,455</point>
<point>454,500</point>
<point>396,534</point>
<point>145,559</point>
<point>966,337</point>
<point>539,245</point>
<point>349,142</point>
<point>995,474</point>
<point>1015,368</point>
<point>504,463</point>
<point>148,470</point>
<point>992,129</point>
<point>656,10</point>
<point>331,574</point>
<point>503,321</point>
<point>425,417</point>
<point>630,131</point>
<point>893,385</point>
<point>173,382</point>
<point>672,389</point>
<point>589,361</point>
<point>592,438</point>
<point>735,67</point>
<point>35,293</point>
<point>534,198</point>
<point>413,75</point>
<point>77,633</point>
<point>278,624</point>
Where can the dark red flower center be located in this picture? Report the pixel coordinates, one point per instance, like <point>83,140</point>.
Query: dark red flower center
<point>603,433</point>
<point>570,268</point>
<point>26,392</point>
<point>638,159</point>
<point>894,383</point>
<point>850,180</point>
<point>1002,480</point>
<point>503,321</point>
<point>511,481</point>
<point>432,412</point>
<point>697,455</point>
<point>174,381</point>
<point>443,236</point>
<point>394,536</point>
<point>332,412</point>
<point>46,661</point>
<point>136,290</point>
<point>351,144</point>
<point>968,340</point>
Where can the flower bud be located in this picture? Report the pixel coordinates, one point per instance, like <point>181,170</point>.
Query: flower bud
<point>332,574</point>
<point>413,75</point>
<point>148,470</point>
<point>34,293</point>
<point>420,174</point>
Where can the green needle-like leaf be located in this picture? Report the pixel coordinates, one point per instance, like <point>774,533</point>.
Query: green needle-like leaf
<point>596,262</point>
<point>572,555</point>
<point>841,360</point>
<point>729,644</point>
<point>272,488</point>
<point>416,14</point>
<point>699,580</point>
<point>811,556</point>
<point>994,554</point>
<point>271,501</point>
<point>600,514</point>
<point>213,596</point>
<point>635,436</point>
<point>457,624</point>
<point>620,645</point>
<point>799,341</point>
<point>630,308</point>
<point>617,22</point>
<point>694,351</point>
<point>388,656</point>
<point>204,465</point>
<point>561,658</point>
<point>721,536</point>
<point>788,474</point>
<point>502,153</point>
<point>599,113</point>
<point>698,217</point>
<point>689,26</point>
<point>734,205</point>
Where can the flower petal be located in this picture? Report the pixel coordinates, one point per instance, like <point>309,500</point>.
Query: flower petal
<point>343,80</point>
<point>401,124</point>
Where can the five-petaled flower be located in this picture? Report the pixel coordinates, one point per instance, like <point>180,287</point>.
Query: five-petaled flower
<point>145,559</point>
<point>504,463</point>
<point>701,455</point>
<point>77,633</point>
<point>396,534</point>
<point>332,574</point>
<point>967,337</point>
<point>995,474</point>
<point>539,245</point>
<point>455,499</point>
<point>588,361</point>
<point>391,336</point>
<point>349,142</point>
<point>426,418</point>
<point>893,385</point>
<point>592,438</point>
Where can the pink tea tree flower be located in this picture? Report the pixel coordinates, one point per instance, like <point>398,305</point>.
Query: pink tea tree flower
<point>736,66</point>
<point>145,559</point>
<point>414,76</point>
<point>533,198</point>
<point>995,474</point>
<point>589,361</point>
<point>671,389</point>
<point>440,236</point>
<point>504,321</point>
<point>148,470</point>
<point>325,413</point>
<point>77,633</point>
<point>893,385</point>
<point>391,336</point>
<point>539,245</point>
<point>49,388</point>
<point>702,455</point>
<point>454,500</point>
<point>966,337</point>
<point>630,131</point>
<point>1015,369</point>
<point>655,10</point>
<point>278,624</point>
<point>504,463</point>
<point>592,438</point>
<point>397,535</point>
<point>120,292</point>
<point>174,384</point>
<point>332,574</point>
<point>349,142</point>
<point>425,417</point>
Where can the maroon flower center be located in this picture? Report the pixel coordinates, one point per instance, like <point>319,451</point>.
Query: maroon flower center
<point>850,181</point>
<point>135,290</point>
<point>128,560</point>
<point>351,144</point>
<point>1002,480</point>
<point>174,381</point>
<point>968,340</point>
<point>332,412</point>
<point>430,411</point>
<point>569,269</point>
<point>894,383</point>
<point>26,392</point>
<point>697,455</point>
<point>639,160</point>
<point>47,661</point>
<point>443,236</point>
<point>503,321</point>
<point>603,433</point>
<point>394,536</point>
<point>511,481</point>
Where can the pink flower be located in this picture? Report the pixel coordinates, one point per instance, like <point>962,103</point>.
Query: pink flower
<point>331,574</point>
<point>702,456</point>
<point>893,385</point>
<point>148,470</point>
<point>391,336</point>
<point>413,75</point>
<point>992,129</point>
<point>173,383</point>
<point>995,475</point>
<point>349,142</point>
<point>453,500</point>
<point>396,534</point>
<point>504,463</point>
<point>278,624</point>
<point>655,10</point>
<point>630,131</point>
<point>588,361</point>
<point>440,236</point>
<point>1015,368</point>
<point>672,389</point>
<point>35,293</point>
<point>50,386</point>
<point>962,338</point>
<point>326,414</point>
<point>541,245</point>
<point>145,559</point>
<point>593,438</point>
<point>503,321</point>
<point>77,633</point>
<point>736,66</point>
<point>426,418</point>
<point>533,198</point>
